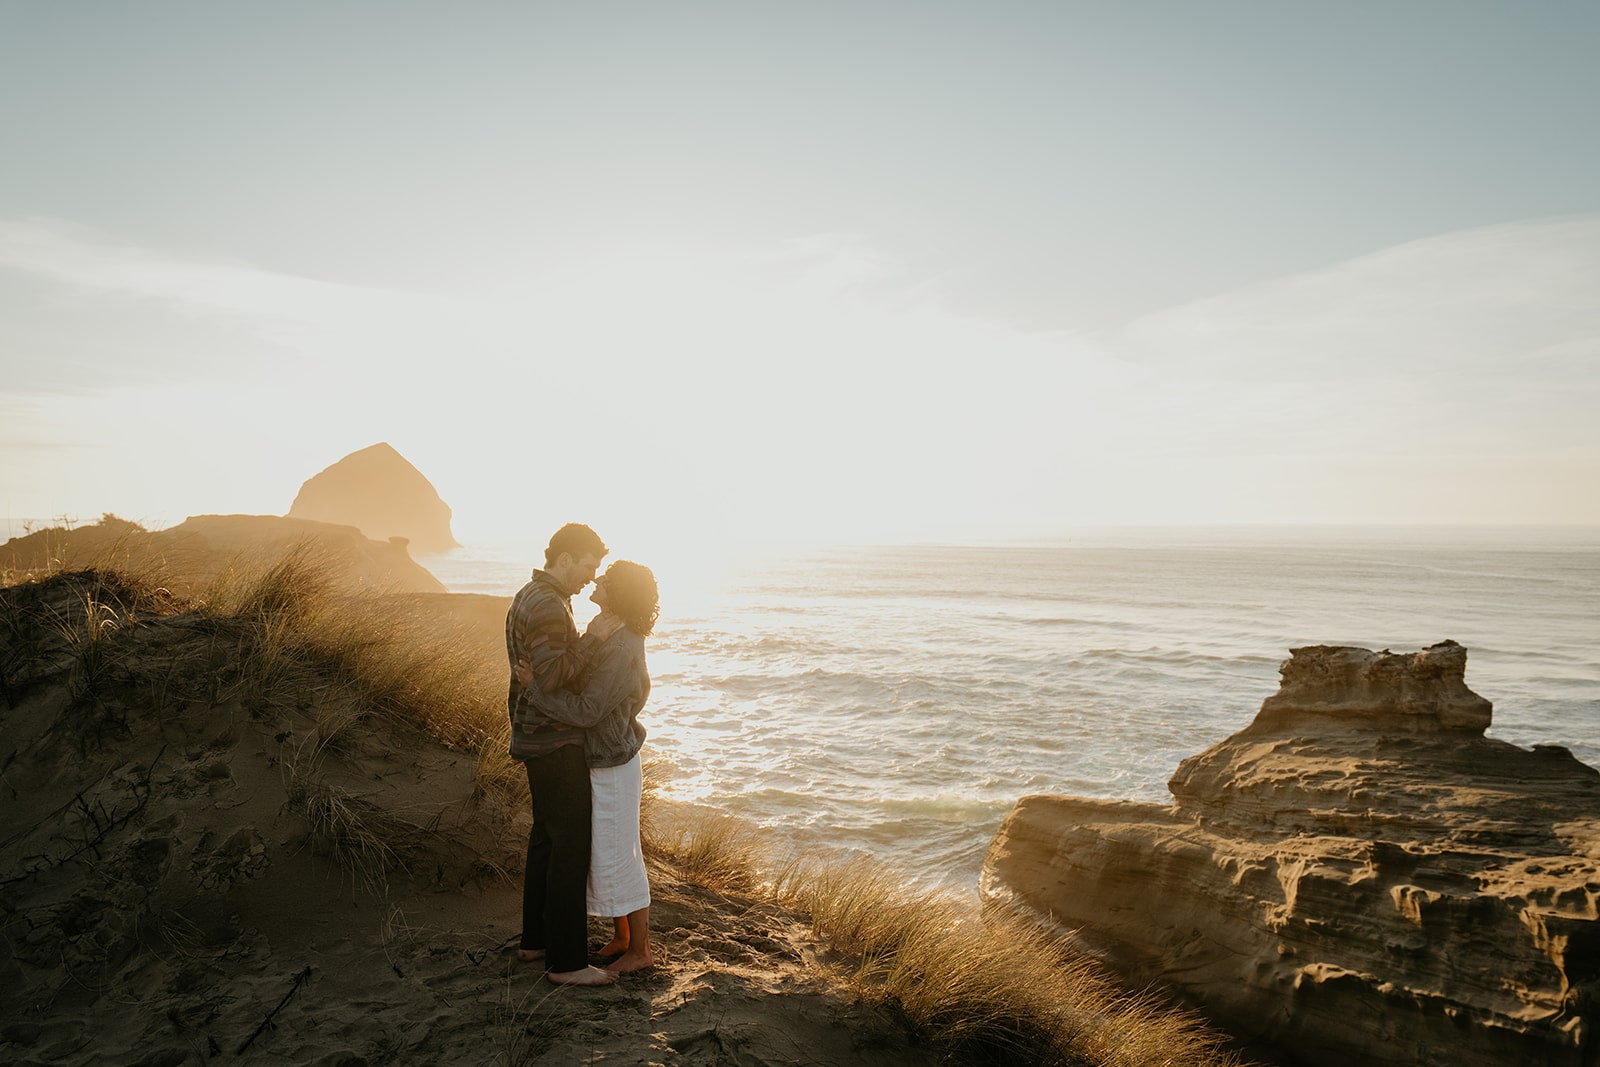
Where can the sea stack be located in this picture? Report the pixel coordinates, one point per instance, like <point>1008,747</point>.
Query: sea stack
<point>379,492</point>
<point>1358,876</point>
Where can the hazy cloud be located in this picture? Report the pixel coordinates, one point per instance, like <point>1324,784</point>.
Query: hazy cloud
<point>820,382</point>
<point>1475,344</point>
<point>1519,299</point>
<point>75,255</point>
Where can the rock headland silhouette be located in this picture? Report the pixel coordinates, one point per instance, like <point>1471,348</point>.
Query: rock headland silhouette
<point>379,492</point>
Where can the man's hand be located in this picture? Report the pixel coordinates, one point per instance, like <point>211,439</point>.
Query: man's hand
<point>603,626</point>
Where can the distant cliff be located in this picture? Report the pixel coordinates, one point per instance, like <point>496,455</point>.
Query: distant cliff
<point>203,548</point>
<point>1359,876</point>
<point>380,493</point>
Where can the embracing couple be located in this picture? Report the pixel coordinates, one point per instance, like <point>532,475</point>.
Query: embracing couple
<point>574,703</point>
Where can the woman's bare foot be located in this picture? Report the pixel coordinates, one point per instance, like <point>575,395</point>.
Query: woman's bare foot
<point>631,961</point>
<point>621,937</point>
<point>528,955</point>
<point>586,976</point>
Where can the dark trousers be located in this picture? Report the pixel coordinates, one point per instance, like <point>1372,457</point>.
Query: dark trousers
<point>557,874</point>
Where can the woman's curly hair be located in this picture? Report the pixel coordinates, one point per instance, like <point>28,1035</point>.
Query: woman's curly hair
<point>631,594</point>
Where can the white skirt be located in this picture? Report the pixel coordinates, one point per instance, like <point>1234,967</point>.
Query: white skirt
<point>617,880</point>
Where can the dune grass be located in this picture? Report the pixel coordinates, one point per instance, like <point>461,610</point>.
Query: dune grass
<point>88,634</point>
<point>716,851</point>
<point>353,831</point>
<point>283,634</point>
<point>990,989</point>
<point>38,635</point>
<point>392,655</point>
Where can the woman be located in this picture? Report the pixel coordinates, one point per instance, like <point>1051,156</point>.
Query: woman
<point>611,694</point>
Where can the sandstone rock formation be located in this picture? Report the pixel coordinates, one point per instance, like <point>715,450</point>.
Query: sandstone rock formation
<point>377,491</point>
<point>1359,876</point>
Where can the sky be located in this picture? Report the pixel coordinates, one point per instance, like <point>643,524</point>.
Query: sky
<point>826,271</point>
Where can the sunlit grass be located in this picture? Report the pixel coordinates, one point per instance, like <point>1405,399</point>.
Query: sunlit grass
<point>991,989</point>
<point>88,634</point>
<point>716,851</point>
<point>395,656</point>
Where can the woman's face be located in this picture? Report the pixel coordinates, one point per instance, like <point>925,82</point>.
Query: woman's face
<point>599,595</point>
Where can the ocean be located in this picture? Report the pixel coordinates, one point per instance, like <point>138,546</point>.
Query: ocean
<point>897,701</point>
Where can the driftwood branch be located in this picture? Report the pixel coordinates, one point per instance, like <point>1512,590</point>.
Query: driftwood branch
<point>301,977</point>
<point>113,818</point>
<point>103,822</point>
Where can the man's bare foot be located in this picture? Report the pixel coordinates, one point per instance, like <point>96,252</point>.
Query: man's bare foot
<point>586,976</point>
<point>629,962</point>
<point>528,955</point>
<point>614,947</point>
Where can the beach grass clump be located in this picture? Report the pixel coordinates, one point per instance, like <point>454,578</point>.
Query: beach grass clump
<point>355,832</point>
<point>82,624</point>
<point>995,989</point>
<point>987,989</point>
<point>286,589</point>
<point>399,658</point>
<point>708,848</point>
<point>496,773</point>
<point>281,634</point>
<point>88,633</point>
<point>289,620</point>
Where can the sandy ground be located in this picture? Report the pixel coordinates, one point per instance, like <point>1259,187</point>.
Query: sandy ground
<point>180,883</point>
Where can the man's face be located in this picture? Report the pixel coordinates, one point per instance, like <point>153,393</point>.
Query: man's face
<point>582,573</point>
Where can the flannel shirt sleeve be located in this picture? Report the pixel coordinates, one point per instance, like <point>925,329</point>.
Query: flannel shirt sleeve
<point>539,630</point>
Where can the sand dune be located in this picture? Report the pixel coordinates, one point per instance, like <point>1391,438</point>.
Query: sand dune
<point>197,865</point>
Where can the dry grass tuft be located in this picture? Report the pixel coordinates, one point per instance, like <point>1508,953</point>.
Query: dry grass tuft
<point>713,850</point>
<point>88,633</point>
<point>353,831</point>
<point>286,589</point>
<point>995,989</point>
<point>497,775</point>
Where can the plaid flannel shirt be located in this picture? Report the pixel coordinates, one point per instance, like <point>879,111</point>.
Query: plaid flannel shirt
<point>540,629</point>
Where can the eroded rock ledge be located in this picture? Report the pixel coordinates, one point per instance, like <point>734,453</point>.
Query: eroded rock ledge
<point>1357,876</point>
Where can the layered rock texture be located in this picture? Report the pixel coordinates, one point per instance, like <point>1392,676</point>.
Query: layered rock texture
<point>1359,876</point>
<point>380,493</point>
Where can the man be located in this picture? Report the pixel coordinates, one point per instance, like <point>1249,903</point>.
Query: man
<point>540,631</point>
